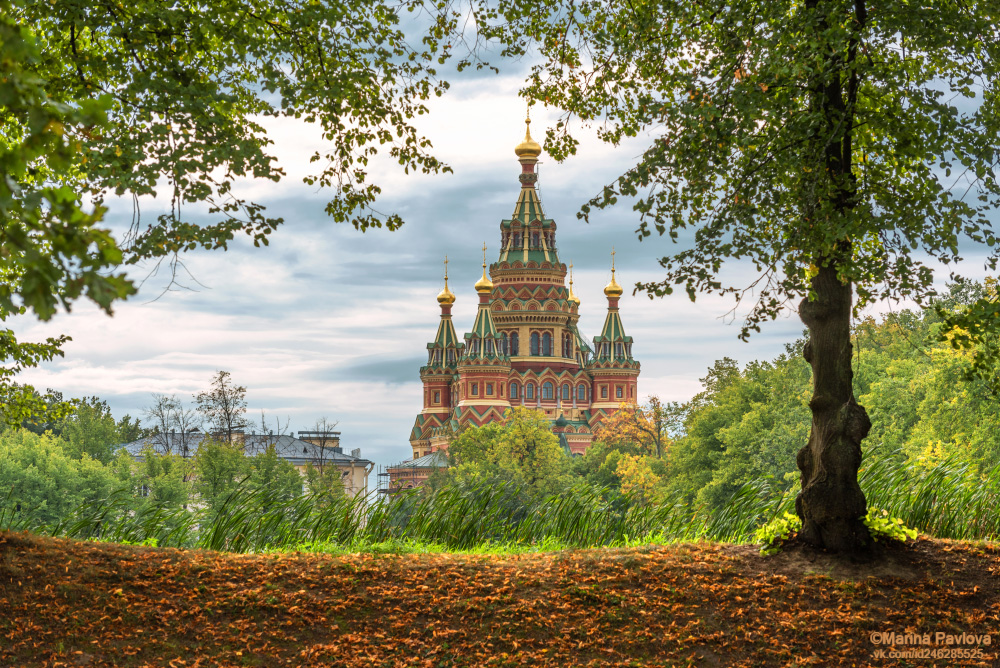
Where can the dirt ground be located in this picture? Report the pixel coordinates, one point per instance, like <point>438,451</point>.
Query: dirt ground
<point>926,603</point>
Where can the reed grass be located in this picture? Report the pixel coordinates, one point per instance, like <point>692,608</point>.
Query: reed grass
<point>947,499</point>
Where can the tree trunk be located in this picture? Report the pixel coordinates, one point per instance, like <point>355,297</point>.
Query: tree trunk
<point>831,504</point>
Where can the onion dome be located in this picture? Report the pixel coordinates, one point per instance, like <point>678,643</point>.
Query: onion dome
<point>572,298</point>
<point>484,285</point>
<point>612,289</point>
<point>528,148</point>
<point>446,296</point>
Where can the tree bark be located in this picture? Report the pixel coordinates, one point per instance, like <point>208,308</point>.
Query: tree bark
<point>831,504</point>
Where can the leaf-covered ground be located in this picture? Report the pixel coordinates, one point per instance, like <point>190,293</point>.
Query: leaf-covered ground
<point>76,603</point>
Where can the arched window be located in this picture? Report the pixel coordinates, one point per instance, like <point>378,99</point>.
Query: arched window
<point>474,346</point>
<point>581,393</point>
<point>567,350</point>
<point>513,390</point>
<point>547,344</point>
<point>506,344</point>
<point>619,350</point>
<point>489,346</point>
<point>547,390</point>
<point>565,392</point>
<point>529,391</point>
<point>535,242</point>
<point>618,392</point>
<point>451,355</point>
<point>517,240</point>
<point>534,343</point>
<point>513,343</point>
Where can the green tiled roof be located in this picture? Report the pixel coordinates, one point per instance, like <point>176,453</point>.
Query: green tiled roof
<point>612,335</point>
<point>527,210</point>
<point>483,342</point>
<point>443,340</point>
<point>445,336</point>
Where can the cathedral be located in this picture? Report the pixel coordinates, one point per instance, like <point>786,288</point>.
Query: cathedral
<point>524,348</point>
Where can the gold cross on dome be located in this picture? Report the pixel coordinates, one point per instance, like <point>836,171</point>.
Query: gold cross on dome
<point>446,267</point>
<point>612,259</point>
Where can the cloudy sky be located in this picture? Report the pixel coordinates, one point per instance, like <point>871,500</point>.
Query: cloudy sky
<point>330,322</point>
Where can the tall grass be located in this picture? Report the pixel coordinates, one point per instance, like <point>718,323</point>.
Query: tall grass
<point>949,499</point>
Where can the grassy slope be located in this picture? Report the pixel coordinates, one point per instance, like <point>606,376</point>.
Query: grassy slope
<point>708,605</point>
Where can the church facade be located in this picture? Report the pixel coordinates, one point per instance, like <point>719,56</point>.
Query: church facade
<point>524,348</point>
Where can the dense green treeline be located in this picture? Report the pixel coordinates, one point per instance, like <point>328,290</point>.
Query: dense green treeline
<point>926,405</point>
<point>715,467</point>
<point>748,423</point>
<point>45,479</point>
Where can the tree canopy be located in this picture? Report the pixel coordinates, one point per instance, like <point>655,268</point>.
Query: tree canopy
<point>838,147</point>
<point>522,450</point>
<point>732,94</point>
<point>104,99</point>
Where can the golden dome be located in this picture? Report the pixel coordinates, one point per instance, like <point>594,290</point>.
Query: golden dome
<point>528,148</point>
<point>484,285</point>
<point>612,289</point>
<point>446,297</point>
<point>572,298</point>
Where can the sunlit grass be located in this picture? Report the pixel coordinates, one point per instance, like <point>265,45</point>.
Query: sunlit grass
<point>948,499</point>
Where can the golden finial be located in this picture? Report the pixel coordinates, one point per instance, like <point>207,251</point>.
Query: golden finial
<point>484,285</point>
<point>612,289</point>
<point>573,298</point>
<point>528,148</point>
<point>446,297</point>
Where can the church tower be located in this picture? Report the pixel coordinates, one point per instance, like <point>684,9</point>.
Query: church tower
<point>443,354</point>
<point>485,367</point>
<point>613,368</point>
<point>525,347</point>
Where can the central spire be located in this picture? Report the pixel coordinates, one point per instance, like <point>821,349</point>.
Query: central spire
<point>528,237</point>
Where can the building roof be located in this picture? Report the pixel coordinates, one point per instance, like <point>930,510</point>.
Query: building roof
<point>527,211</point>
<point>435,460</point>
<point>296,451</point>
<point>483,341</point>
<point>613,333</point>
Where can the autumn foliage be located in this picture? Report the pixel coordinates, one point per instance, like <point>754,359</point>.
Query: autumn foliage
<point>79,603</point>
<point>644,429</point>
